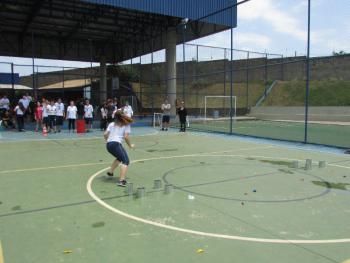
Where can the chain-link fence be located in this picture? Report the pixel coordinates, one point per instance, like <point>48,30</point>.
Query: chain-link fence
<point>224,89</point>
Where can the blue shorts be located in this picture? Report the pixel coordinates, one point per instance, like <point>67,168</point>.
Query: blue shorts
<point>118,151</point>
<point>166,118</point>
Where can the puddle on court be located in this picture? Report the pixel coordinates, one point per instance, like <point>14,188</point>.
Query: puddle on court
<point>98,224</point>
<point>285,171</point>
<point>338,186</point>
<point>16,208</point>
<point>282,163</point>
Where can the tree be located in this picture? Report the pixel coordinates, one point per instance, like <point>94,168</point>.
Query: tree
<point>340,53</point>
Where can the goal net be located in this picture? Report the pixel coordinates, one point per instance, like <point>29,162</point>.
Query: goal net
<point>157,120</point>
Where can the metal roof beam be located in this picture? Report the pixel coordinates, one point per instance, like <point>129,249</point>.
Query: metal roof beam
<point>34,11</point>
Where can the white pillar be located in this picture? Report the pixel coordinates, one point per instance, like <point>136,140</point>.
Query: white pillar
<point>170,54</point>
<point>103,80</point>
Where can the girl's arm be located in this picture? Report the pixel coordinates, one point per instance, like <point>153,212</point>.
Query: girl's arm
<point>105,135</point>
<point>128,142</point>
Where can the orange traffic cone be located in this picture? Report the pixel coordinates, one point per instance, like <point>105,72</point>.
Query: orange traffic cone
<point>44,131</point>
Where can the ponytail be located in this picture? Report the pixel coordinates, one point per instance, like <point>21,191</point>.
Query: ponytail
<point>121,119</point>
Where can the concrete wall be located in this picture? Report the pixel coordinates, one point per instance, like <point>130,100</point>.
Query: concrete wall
<point>329,114</point>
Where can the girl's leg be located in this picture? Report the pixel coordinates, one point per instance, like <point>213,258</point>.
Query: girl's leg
<point>123,170</point>
<point>114,166</point>
<point>73,124</point>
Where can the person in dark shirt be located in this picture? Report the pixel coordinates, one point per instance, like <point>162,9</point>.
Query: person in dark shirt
<point>182,112</point>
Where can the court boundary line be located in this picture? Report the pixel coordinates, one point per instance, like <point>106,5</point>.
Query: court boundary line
<point>2,260</point>
<point>200,233</point>
<point>67,139</point>
<point>97,163</point>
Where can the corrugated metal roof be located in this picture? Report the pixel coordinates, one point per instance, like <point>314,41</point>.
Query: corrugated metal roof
<point>192,9</point>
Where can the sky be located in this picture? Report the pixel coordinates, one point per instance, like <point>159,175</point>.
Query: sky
<point>273,26</point>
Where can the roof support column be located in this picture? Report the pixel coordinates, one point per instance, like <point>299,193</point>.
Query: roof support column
<point>103,80</point>
<point>170,54</point>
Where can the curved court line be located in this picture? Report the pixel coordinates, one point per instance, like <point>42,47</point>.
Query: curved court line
<point>200,233</point>
<point>93,164</point>
<point>1,255</point>
<point>16,140</point>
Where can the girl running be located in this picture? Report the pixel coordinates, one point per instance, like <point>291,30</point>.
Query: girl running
<point>115,134</point>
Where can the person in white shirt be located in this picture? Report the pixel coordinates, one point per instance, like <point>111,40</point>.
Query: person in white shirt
<point>166,107</point>
<point>115,134</point>
<point>59,114</point>
<point>4,105</point>
<point>25,101</point>
<point>71,116</point>
<point>104,113</point>
<point>51,112</point>
<point>88,111</point>
<point>45,114</point>
<point>127,110</point>
<point>20,110</point>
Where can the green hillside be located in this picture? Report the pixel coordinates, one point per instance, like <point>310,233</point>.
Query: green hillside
<point>322,93</point>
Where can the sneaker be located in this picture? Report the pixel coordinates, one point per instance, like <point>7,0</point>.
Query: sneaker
<point>109,175</point>
<point>121,183</point>
<point>162,129</point>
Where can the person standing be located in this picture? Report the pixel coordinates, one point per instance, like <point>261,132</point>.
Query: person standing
<point>72,114</point>
<point>88,115</point>
<point>4,105</point>
<point>20,110</point>
<point>59,114</point>
<point>110,110</point>
<point>127,110</point>
<point>104,112</point>
<point>182,112</point>
<point>166,107</point>
<point>51,111</point>
<point>38,115</point>
<point>115,134</point>
<point>45,114</point>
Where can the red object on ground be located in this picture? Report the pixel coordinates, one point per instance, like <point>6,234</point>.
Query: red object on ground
<point>81,126</point>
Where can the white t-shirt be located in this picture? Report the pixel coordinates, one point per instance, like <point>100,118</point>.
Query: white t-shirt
<point>25,101</point>
<point>51,110</point>
<point>4,103</point>
<point>103,113</point>
<point>88,110</point>
<point>116,133</point>
<point>72,112</point>
<point>18,110</point>
<point>166,108</point>
<point>45,110</point>
<point>128,111</point>
<point>59,109</point>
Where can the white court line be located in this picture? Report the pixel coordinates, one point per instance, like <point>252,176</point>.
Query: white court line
<point>52,167</point>
<point>1,254</point>
<point>93,164</point>
<point>13,140</point>
<point>200,233</point>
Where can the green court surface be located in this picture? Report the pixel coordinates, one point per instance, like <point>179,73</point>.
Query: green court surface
<point>326,134</point>
<point>233,200</point>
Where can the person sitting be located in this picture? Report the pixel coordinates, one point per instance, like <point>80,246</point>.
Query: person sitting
<point>7,120</point>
